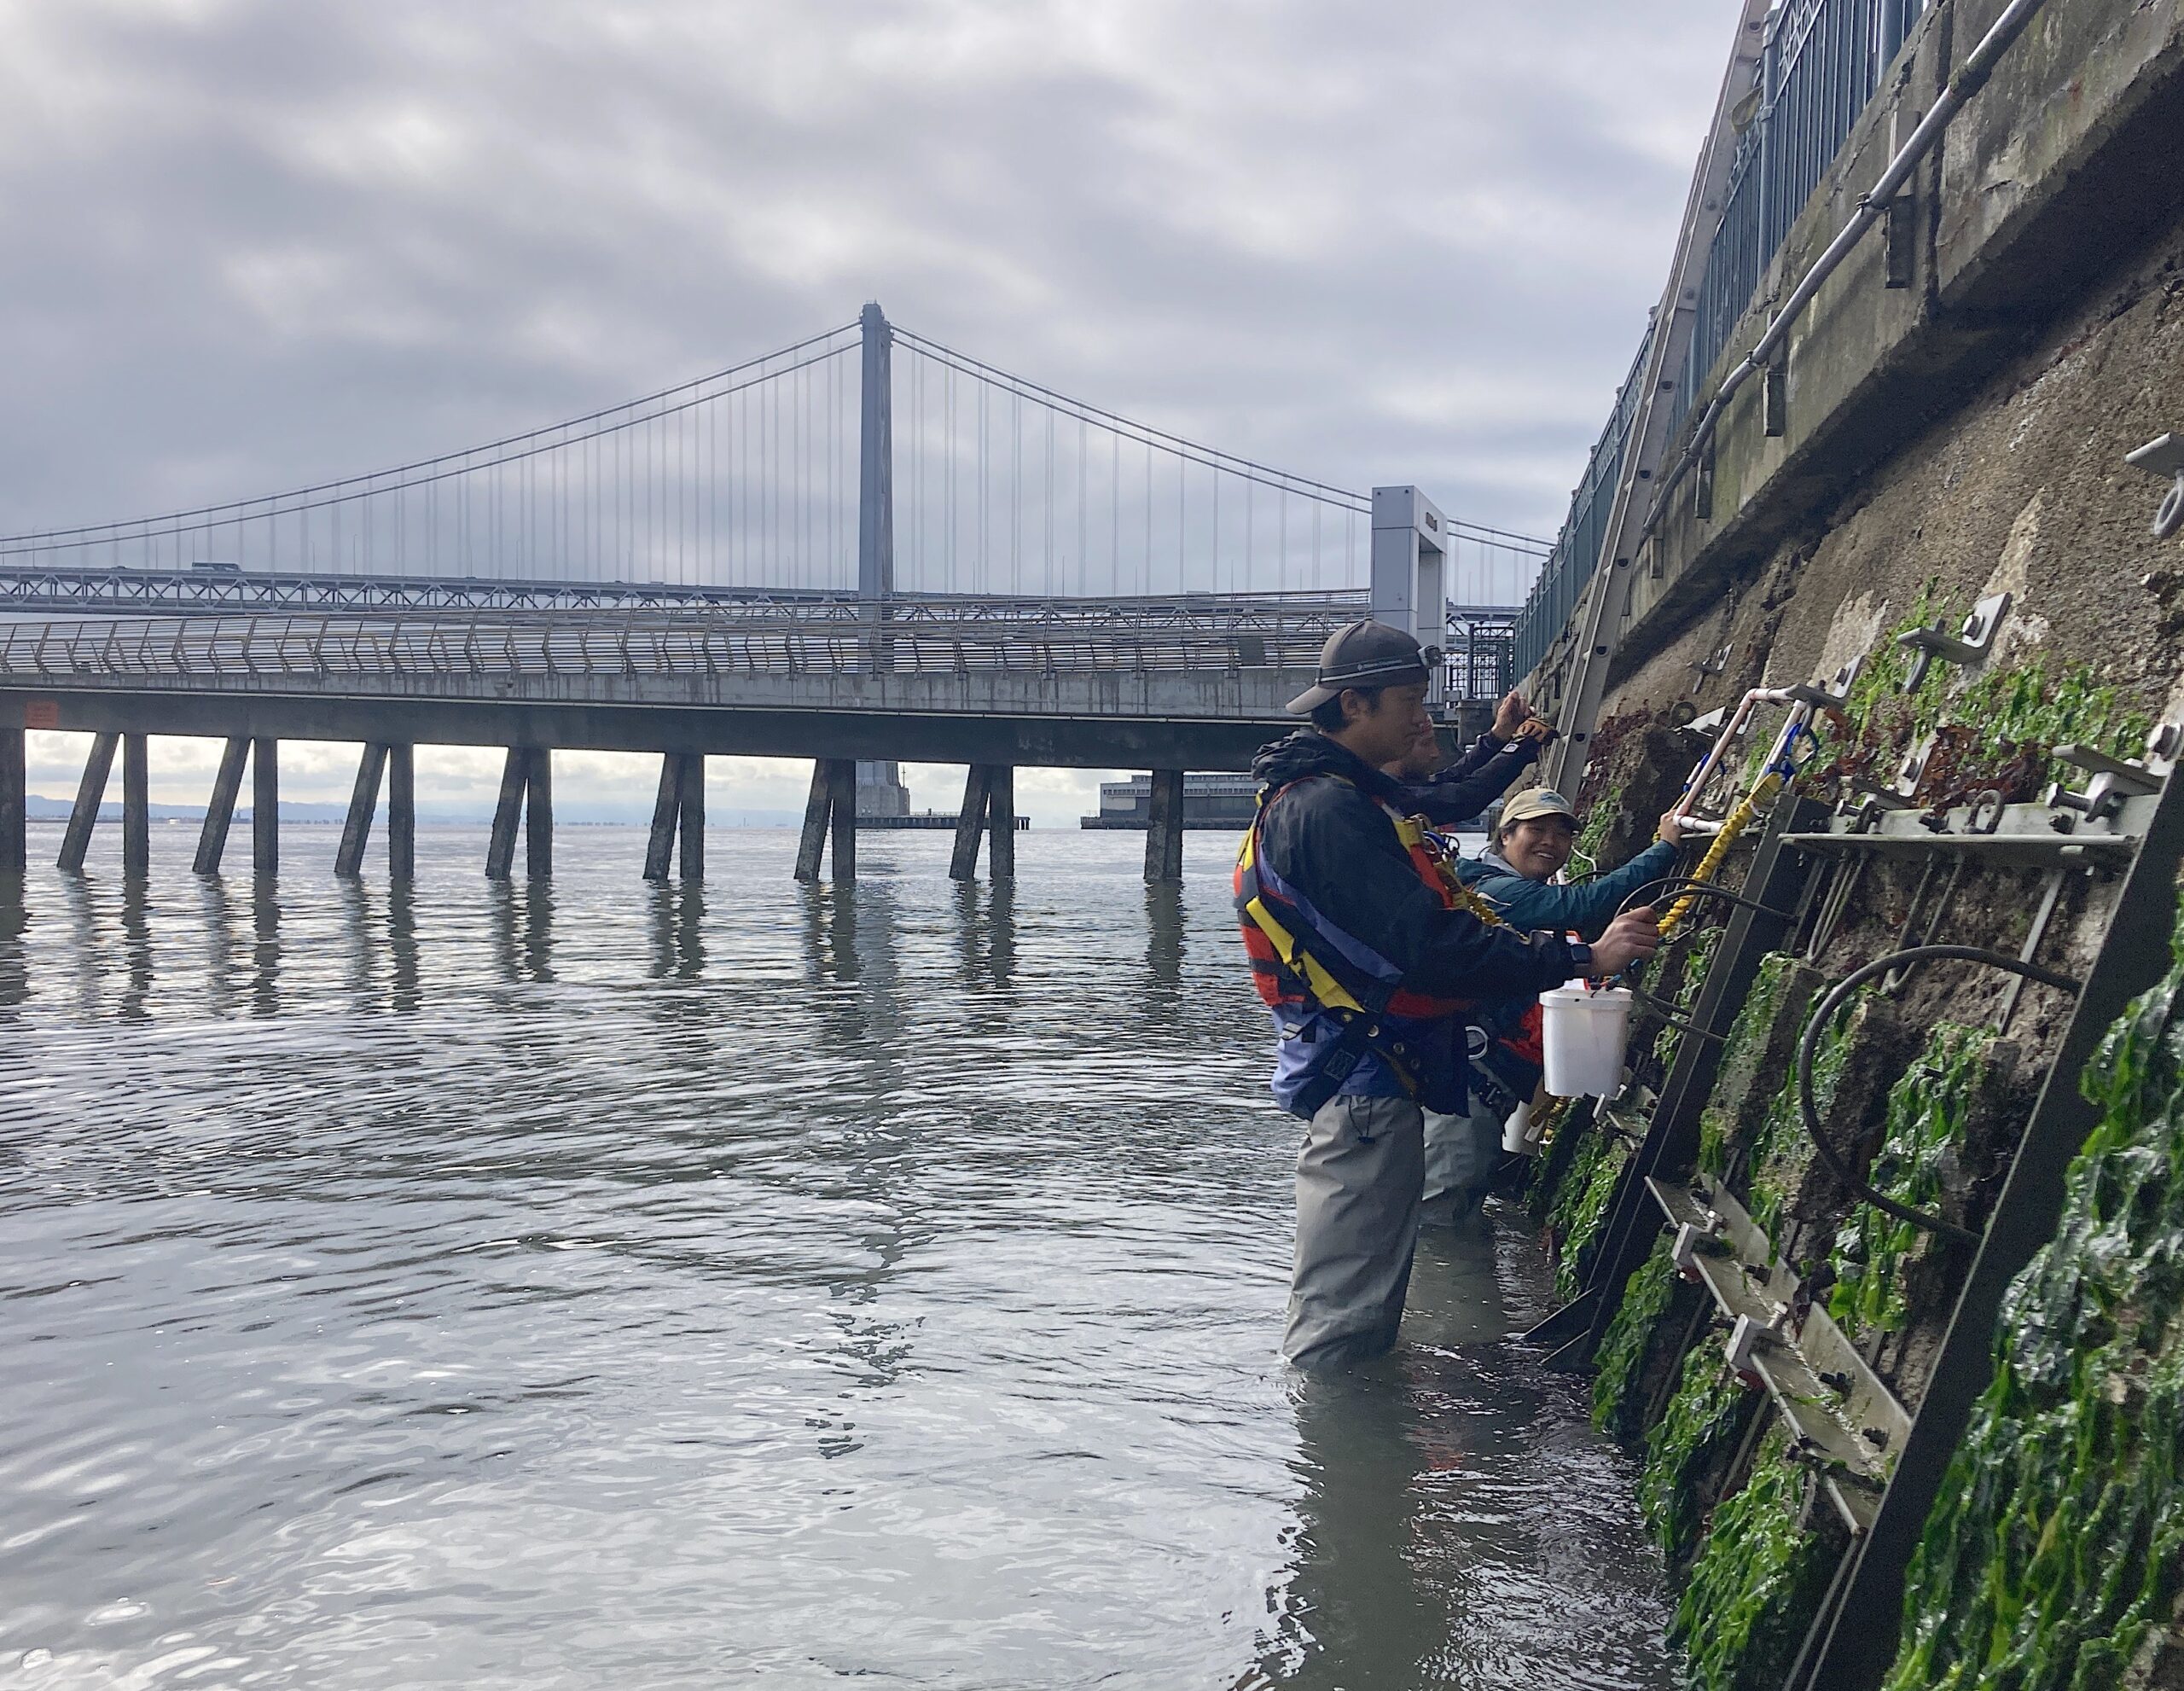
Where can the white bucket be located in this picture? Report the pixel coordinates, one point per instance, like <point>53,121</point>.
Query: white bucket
<point>1583,1033</point>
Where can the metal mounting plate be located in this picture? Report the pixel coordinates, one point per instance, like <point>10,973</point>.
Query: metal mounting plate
<point>1848,1434</point>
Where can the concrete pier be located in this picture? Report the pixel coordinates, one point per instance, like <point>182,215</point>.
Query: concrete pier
<point>220,811</point>
<point>15,802</point>
<point>538,814</point>
<point>679,807</point>
<point>1163,831</point>
<point>401,812</point>
<point>989,807</point>
<point>526,793</point>
<point>135,806</point>
<point>90,794</point>
<point>364,800</point>
<point>265,807</point>
<point>830,821</point>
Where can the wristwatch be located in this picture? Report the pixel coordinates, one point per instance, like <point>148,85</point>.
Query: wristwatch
<point>1582,955</point>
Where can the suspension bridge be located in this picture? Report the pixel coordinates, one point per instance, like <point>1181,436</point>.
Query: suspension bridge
<point>862,549</point>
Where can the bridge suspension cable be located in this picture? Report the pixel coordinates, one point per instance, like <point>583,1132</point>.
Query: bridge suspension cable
<point>748,478</point>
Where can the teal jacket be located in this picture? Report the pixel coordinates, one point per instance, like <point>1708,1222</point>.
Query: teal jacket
<point>1587,907</point>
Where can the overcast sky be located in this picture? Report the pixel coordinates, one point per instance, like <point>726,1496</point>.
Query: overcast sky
<point>256,243</point>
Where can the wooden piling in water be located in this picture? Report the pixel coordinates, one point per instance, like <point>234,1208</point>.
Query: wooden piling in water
<point>265,807</point>
<point>90,794</point>
<point>500,850</point>
<point>1164,828</point>
<point>135,806</point>
<point>227,785</point>
<point>363,799</point>
<point>402,812</point>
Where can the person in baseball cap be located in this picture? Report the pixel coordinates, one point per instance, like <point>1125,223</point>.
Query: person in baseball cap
<point>1365,959</point>
<point>1362,655</point>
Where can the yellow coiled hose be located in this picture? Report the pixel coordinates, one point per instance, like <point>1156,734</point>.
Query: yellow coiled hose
<point>1748,810</point>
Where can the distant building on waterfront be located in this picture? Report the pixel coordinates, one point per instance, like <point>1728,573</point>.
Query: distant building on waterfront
<point>1210,801</point>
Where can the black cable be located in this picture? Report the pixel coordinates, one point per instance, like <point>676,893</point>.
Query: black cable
<point>1809,1046</point>
<point>1680,884</point>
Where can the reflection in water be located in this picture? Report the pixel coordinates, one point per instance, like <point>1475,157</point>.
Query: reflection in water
<point>216,910</point>
<point>776,1285</point>
<point>15,921</point>
<point>265,947</point>
<point>676,912</point>
<point>1163,932</point>
<point>986,925</point>
<point>402,944</point>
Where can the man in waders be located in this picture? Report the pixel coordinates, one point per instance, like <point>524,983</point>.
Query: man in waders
<point>1362,954</point>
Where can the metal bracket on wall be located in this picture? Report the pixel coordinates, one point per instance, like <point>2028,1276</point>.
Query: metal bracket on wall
<point>2163,457</point>
<point>1972,642</point>
<point>1845,1422</point>
<point>1853,1640</point>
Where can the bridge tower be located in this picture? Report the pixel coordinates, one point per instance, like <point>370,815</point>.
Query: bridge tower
<point>1411,573</point>
<point>880,789</point>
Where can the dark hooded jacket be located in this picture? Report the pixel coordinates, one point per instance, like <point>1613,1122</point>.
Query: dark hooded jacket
<point>1323,832</point>
<point>1476,778</point>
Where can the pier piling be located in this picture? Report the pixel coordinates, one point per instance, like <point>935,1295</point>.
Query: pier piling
<point>90,792</point>
<point>363,799</point>
<point>830,812</point>
<point>402,812</point>
<point>1000,822</point>
<point>1164,828</point>
<point>135,806</point>
<point>666,812</point>
<point>964,864</point>
<point>15,802</point>
<point>500,850</point>
<point>265,807</point>
<point>691,801</point>
<point>212,838</point>
<point>538,814</point>
<point>989,807</point>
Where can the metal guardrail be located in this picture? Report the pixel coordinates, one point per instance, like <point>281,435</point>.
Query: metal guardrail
<point>1577,551</point>
<point>758,635</point>
<point>1822,64</point>
<point>327,649</point>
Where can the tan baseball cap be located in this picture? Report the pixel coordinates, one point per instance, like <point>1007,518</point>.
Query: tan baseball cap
<point>1537,802</point>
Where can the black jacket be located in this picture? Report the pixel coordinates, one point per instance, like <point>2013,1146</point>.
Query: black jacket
<point>1464,788</point>
<point>1330,841</point>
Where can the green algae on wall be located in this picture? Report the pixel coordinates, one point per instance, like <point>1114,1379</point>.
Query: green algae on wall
<point>1621,1362</point>
<point>1697,958</point>
<point>1741,1053</point>
<point>2055,1556</point>
<point>1696,1436</point>
<point>1780,1149</point>
<point>1926,1113</point>
<point>1756,1585</point>
<point>1582,1205</point>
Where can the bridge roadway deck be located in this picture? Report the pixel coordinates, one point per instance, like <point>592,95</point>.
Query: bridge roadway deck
<point>1018,692</point>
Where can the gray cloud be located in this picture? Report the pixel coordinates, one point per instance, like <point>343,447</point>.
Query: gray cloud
<point>253,243</point>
